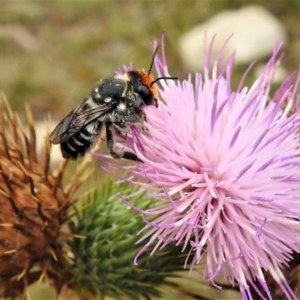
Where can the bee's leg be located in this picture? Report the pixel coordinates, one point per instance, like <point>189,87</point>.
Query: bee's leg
<point>111,143</point>
<point>138,117</point>
<point>142,115</point>
<point>117,130</point>
<point>144,118</point>
<point>131,156</point>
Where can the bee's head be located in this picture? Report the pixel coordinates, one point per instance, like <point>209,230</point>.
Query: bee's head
<point>142,85</point>
<point>145,85</point>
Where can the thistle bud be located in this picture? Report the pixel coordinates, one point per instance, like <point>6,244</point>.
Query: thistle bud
<point>33,207</point>
<point>104,259</point>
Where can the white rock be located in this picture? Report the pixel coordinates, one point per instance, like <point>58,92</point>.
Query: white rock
<point>255,32</point>
<point>43,130</point>
<point>280,74</point>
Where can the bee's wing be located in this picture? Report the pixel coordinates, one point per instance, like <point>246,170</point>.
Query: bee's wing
<point>76,120</point>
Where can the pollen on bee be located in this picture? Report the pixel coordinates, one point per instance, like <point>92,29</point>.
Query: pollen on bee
<point>122,106</point>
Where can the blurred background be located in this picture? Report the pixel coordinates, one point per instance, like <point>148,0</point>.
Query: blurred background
<point>53,52</point>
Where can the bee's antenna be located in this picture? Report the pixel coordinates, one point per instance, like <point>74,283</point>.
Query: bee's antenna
<point>159,78</point>
<point>151,65</point>
<point>152,60</point>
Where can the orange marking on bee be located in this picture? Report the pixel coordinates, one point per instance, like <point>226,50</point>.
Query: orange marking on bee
<point>147,79</point>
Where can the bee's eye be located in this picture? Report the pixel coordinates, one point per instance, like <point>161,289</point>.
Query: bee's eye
<point>145,94</point>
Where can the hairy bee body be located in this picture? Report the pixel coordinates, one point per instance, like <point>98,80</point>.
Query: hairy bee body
<point>114,103</point>
<point>77,145</point>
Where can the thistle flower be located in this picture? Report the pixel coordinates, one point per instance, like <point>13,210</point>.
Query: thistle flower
<point>224,169</point>
<point>33,208</point>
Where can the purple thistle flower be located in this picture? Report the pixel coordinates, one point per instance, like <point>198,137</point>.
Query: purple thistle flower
<point>224,169</point>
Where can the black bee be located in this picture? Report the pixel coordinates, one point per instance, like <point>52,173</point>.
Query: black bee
<point>115,102</point>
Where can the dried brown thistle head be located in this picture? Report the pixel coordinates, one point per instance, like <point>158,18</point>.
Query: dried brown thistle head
<point>33,207</point>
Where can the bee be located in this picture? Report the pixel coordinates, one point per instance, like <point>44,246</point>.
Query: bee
<point>114,103</point>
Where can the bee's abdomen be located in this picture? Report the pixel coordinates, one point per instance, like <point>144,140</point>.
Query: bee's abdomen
<point>81,142</point>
